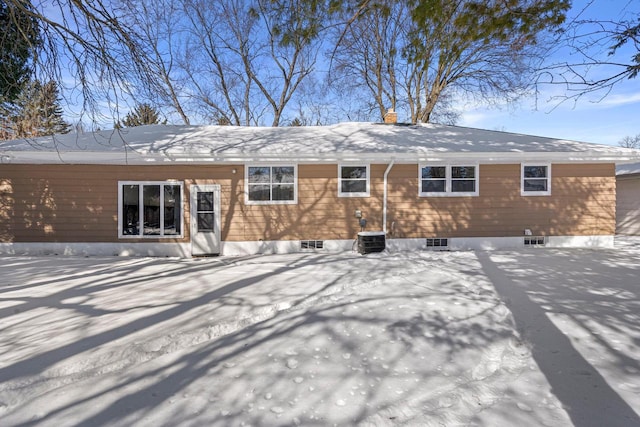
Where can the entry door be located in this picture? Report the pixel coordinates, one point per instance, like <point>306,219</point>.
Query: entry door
<point>205,219</point>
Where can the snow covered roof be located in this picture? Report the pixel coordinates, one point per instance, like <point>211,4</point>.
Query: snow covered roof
<point>628,169</point>
<point>341,142</point>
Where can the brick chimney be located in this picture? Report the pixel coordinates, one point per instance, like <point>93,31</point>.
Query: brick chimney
<point>391,117</point>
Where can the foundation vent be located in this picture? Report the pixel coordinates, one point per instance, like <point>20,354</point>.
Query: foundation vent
<point>438,243</point>
<point>533,241</point>
<point>311,244</point>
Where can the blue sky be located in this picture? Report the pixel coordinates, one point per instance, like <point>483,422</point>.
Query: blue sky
<point>603,118</point>
<point>599,118</point>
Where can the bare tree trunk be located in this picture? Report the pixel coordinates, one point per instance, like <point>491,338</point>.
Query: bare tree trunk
<point>247,71</point>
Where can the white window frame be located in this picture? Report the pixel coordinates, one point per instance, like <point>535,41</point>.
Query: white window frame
<point>448,179</point>
<point>271,166</point>
<point>535,193</point>
<point>141,184</point>
<point>366,193</point>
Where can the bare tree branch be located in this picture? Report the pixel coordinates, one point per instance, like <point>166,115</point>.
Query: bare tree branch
<point>630,142</point>
<point>604,53</point>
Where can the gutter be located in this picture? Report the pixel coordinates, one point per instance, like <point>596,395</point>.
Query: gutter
<point>139,158</point>
<point>409,157</point>
<point>384,199</point>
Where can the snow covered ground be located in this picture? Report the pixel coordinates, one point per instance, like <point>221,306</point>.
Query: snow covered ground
<point>530,337</point>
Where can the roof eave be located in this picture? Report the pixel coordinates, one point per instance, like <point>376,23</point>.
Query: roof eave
<point>423,157</point>
<point>134,158</point>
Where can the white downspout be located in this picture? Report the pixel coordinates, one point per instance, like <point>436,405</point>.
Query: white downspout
<point>384,199</point>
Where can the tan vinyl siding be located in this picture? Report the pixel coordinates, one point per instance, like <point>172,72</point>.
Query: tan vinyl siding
<point>319,215</point>
<point>628,205</point>
<point>581,203</point>
<point>79,203</point>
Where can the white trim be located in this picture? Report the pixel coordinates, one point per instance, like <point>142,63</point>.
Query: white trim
<point>141,209</point>
<point>548,177</point>
<point>366,193</point>
<point>458,243</point>
<point>206,158</point>
<point>603,241</point>
<point>415,244</point>
<point>183,250</point>
<point>271,165</point>
<point>498,243</point>
<point>164,249</point>
<point>448,180</point>
<point>280,246</point>
<point>214,243</point>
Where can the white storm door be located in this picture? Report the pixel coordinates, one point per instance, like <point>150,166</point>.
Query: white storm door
<point>205,219</point>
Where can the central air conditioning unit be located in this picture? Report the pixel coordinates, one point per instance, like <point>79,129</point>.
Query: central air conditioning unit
<point>371,241</point>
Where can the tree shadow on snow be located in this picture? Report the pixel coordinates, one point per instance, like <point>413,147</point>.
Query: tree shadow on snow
<point>536,284</point>
<point>134,394</point>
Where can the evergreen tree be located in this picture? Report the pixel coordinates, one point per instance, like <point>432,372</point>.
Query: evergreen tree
<point>19,37</point>
<point>37,112</point>
<point>143,114</point>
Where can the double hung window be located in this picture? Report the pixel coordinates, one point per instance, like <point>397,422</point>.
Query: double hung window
<point>448,180</point>
<point>353,180</point>
<point>535,180</point>
<point>271,184</point>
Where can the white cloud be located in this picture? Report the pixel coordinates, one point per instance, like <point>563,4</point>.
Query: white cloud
<point>620,99</point>
<point>473,118</point>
